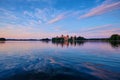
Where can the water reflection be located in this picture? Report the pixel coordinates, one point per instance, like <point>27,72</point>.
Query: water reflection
<point>70,43</point>
<point>114,44</point>
<point>46,60</point>
<point>45,41</point>
<point>2,42</point>
<point>102,73</point>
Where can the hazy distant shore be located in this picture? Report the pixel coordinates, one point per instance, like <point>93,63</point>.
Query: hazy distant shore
<point>62,38</point>
<point>51,40</point>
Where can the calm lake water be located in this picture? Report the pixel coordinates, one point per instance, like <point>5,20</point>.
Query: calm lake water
<point>37,60</point>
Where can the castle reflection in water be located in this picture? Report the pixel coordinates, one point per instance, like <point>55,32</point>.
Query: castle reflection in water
<point>114,44</point>
<point>69,43</point>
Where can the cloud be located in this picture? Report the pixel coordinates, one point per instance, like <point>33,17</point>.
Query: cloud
<point>22,31</point>
<point>104,8</point>
<point>96,28</point>
<point>101,33</point>
<point>56,19</point>
<point>57,28</point>
<point>32,0</point>
<point>98,31</point>
<point>37,16</point>
<point>28,13</point>
<point>98,1</point>
<point>7,14</point>
<point>41,14</point>
<point>103,27</point>
<point>107,33</point>
<point>115,30</point>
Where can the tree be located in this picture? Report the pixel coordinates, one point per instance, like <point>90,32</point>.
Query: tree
<point>115,37</point>
<point>71,38</point>
<point>75,38</point>
<point>80,38</point>
<point>2,39</point>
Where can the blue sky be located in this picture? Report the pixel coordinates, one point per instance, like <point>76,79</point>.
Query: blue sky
<point>49,18</point>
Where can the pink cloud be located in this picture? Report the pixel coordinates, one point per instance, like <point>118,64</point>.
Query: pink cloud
<point>56,19</point>
<point>100,27</point>
<point>96,28</point>
<point>26,32</point>
<point>104,8</point>
<point>104,33</point>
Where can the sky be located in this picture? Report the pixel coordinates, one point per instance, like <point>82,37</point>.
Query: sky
<point>50,18</point>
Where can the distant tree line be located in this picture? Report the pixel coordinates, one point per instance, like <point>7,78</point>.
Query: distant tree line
<point>114,37</point>
<point>76,38</point>
<point>58,39</point>
<point>45,39</point>
<point>2,39</point>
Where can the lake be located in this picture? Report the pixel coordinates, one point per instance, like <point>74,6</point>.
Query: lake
<point>40,60</point>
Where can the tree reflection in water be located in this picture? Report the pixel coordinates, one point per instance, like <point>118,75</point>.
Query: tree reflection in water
<point>115,44</point>
<point>1,42</point>
<point>68,43</point>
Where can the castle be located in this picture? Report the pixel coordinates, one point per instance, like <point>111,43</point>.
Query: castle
<point>66,38</point>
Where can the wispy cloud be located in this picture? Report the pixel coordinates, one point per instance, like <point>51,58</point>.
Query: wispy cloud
<point>98,31</point>
<point>57,18</point>
<point>115,30</point>
<point>107,33</point>
<point>46,1</point>
<point>22,31</point>
<point>97,1</point>
<point>104,8</point>
<point>103,27</point>
<point>42,15</point>
<point>96,28</point>
<point>57,28</point>
<point>7,14</point>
